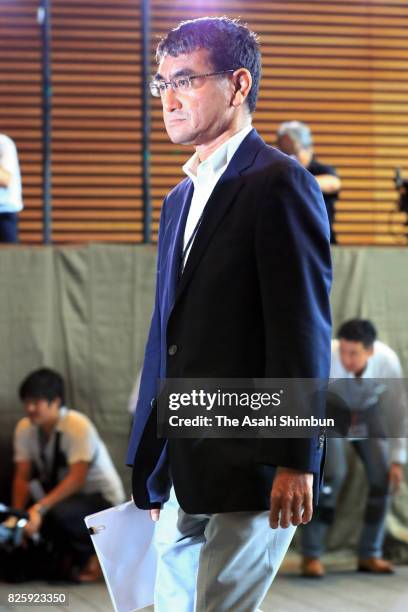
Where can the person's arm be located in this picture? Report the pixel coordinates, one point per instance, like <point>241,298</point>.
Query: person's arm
<point>151,365</point>
<point>398,412</point>
<point>328,183</point>
<point>20,492</point>
<point>8,162</point>
<point>23,463</point>
<point>72,483</point>
<point>150,371</point>
<point>5,177</point>
<point>396,476</point>
<point>294,270</point>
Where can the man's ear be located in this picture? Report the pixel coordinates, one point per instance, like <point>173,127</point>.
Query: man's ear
<point>243,83</point>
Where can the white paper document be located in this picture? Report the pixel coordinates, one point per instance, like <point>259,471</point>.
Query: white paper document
<point>123,540</point>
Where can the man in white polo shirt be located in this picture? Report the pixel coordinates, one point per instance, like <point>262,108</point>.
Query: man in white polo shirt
<point>11,202</point>
<point>63,466</point>
<point>358,355</point>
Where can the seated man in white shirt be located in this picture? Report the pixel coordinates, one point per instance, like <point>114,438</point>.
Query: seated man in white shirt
<point>357,354</point>
<point>63,466</point>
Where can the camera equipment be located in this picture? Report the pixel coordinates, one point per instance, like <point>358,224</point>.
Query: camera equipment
<point>12,523</point>
<point>402,187</point>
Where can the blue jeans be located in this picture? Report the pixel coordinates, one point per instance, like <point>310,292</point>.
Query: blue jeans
<point>374,453</point>
<point>8,227</point>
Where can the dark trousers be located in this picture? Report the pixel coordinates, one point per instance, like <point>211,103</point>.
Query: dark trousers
<point>64,525</point>
<point>64,547</point>
<point>8,227</point>
<point>374,454</point>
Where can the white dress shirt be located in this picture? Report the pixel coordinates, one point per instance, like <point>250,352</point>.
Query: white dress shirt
<point>383,363</point>
<point>10,197</point>
<point>205,176</point>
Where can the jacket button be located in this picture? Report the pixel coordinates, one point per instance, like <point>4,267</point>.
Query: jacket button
<point>173,348</point>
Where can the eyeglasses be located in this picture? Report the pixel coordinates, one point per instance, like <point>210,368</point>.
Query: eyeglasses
<point>182,83</point>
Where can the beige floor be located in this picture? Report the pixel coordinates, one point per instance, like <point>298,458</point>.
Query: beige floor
<point>342,590</point>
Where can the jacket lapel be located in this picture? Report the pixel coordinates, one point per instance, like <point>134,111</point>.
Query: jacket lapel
<point>176,249</point>
<point>172,249</point>
<point>218,204</point>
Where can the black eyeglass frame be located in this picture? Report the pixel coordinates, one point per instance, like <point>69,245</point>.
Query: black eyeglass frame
<point>155,87</point>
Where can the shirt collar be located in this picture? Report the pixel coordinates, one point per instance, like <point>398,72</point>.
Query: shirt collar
<point>218,160</point>
<point>63,410</point>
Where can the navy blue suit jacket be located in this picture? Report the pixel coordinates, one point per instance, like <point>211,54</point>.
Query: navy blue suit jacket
<point>252,302</point>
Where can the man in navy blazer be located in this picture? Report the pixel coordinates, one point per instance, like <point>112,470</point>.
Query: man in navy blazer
<point>243,278</point>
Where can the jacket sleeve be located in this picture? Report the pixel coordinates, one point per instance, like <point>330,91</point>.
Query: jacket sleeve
<point>151,362</point>
<point>294,269</point>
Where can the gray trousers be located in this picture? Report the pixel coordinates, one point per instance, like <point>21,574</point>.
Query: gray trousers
<point>216,562</point>
<point>374,453</point>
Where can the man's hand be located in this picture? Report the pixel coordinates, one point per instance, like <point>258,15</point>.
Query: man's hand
<point>155,514</point>
<point>34,522</point>
<point>328,183</point>
<point>292,493</point>
<point>395,476</point>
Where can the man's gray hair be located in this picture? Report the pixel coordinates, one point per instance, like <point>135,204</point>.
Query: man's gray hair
<point>297,132</point>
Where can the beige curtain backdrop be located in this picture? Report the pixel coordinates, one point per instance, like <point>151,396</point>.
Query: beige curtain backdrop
<point>85,310</point>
